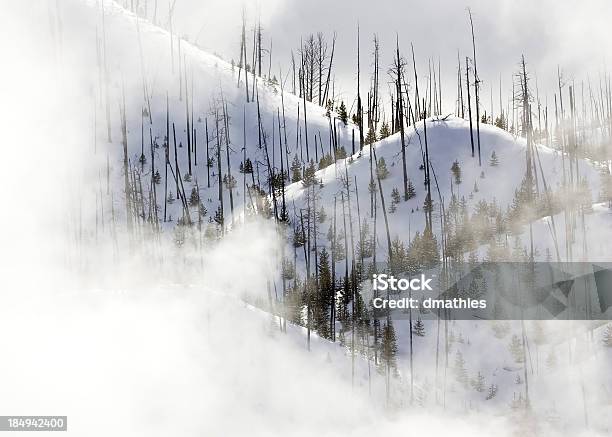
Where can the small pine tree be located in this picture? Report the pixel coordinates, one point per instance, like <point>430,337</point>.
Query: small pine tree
<point>419,328</point>
<point>219,216</point>
<point>494,161</point>
<point>492,392</point>
<point>395,196</point>
<point>456,170</point>
<point>500,122</point>
<point>309,175</point>
<point>478,383</point>
<point>428,204</point>
<point>229,182</point>
<point>247,167</point>
<point>388,346</point>
<point>371,136</point>
<point>194,199</point>
<point>340,153</point>
<point>322,216</point>
<point>475,189</point>
<point>518,380</point>
<point>381,169</point>
<point>384,131</point>
<point>516,349</point>
<point>296,170</point>
<point>170,198</point>
<point>342,113</point>
<point>460,371</point>
<point>156,178</point>
<point>411,191</point>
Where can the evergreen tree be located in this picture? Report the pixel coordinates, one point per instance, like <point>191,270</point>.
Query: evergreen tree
<point>340,153</point>
<point>156,178</point>
<point>456,170</point>
<point>325,161</point>
<point>419,328</point>
<point>500,122</point>
<point>518,380</point>
<point>395,196</point>
<point>381,169</point>
<point>296,170</point>
<point>309,175</point>
<point>298,238</point>
<point>388,346</point>
<point>494,161</point>
<point>247,167</point>
<point>371,136</point>
<point>219,216</point>
<point>460,371</point>
<point>342,115</point>
<point>323,297</point>
<point>384,131</point>
<point>170,198</point>
<point>194,199</point>
<point>399,257</point>
<point>229,182</point>
<point>411,191</point>
<point>516,349</point>
<point>492,392</point>
<point>478,383</point>
<point>364,245</point>
<point>322,215</point>
<point>395,199</point>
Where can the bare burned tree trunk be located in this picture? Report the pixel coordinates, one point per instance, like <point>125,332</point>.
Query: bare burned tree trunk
<point>416,86</point>
<point>329,70</point>
<point>429,200</point>
<point>230,182</point>
<point>219,177</point>
<point>375,97</point>
<point>399,66</point>
<point>167,155</point>
<point>106,79</point>
<point>332,317</point>
<point>126,182</point>
<point>259,48</point>
<point>460,105</point>
<point>469,99</point>
<point>476,85</point>
<point>359,107</point>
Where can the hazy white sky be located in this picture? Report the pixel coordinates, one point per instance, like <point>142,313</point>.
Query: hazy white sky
<point>548,32</point>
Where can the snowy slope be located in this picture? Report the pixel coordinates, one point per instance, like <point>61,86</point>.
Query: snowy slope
<point>448,141</point>
<point>210,83</point>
